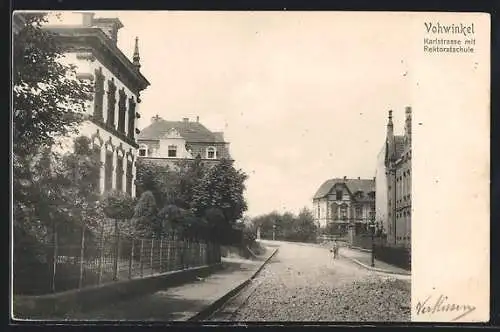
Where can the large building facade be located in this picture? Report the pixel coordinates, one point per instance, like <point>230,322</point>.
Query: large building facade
<point>344,202</point>
<point>90,44</point>
<point>168,142</point>
<point>393,178</point>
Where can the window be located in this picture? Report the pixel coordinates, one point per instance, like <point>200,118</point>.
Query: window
<point>319,215</point>
<point>119,173</point>
<point>172,151</point>
<point>97,157</point>
<point>122,110</point>
<point>359,212</point>
<point>211,153</point>
<point>334,209</point>
<point>131,117</point>
<point>99,94</point>
<point>143,150</point>
<point>108,171</point>
<point>129,178</point>
<point>339,195</point>
<point>111,104</point>
<point>343,212</point>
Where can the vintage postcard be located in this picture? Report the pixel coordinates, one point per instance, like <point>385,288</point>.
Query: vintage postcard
<point>212,166</point>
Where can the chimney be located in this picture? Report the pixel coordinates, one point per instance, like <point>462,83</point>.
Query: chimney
<point>197,119</point>
<point>155,118</point>
<point>359,178</point>
<point>88,19</point>
<point>345,178</point>
<point>185,119</point>
<point>109,26</point>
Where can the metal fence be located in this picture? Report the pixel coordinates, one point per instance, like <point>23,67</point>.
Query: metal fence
<point>103,258</point>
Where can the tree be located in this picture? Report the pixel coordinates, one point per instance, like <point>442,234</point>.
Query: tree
<point>119,206</point>
<point>161,181</point>
<point>49,100</point>
<point>306,228</point>
<point>191,175</point>
<point>222,187</point>
<point>145,216</point>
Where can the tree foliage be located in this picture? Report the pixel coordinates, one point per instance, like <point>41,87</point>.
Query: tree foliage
<point>145,216</point>
<point>287,226</point>
<point>49,100</point>
<point>222,187</point>
<point>118,205</point>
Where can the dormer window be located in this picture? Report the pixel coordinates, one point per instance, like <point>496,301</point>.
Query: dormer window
<point>172,151</point>
<point>143,150</point>
<point>211,153</point>
<point>339,195</point>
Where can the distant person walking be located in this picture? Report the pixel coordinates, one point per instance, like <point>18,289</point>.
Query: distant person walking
<point>335,250</point>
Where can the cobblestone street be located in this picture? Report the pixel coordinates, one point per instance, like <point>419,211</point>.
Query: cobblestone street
<point>302,283</point>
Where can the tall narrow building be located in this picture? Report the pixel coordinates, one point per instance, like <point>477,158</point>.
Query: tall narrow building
<point>393,184</point>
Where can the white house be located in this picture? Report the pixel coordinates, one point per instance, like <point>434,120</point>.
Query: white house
<point>91,44</point>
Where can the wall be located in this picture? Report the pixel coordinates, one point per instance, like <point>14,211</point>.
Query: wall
<point>381,190</point>
<point>162,151</point>
<point>86,68</point>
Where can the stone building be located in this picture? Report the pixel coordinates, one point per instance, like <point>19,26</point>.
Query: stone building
<point>343,202</point>
<point>168,142</point>
<point>90,43</point>
<point>393,180</point>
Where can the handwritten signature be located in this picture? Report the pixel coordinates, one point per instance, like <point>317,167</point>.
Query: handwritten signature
<point>441,305</point>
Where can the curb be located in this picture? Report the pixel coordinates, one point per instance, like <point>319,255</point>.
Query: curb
<point>376,269</point>
<point>217,304</point>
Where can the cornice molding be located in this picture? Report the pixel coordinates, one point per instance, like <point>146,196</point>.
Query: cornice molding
<point>104,50</point>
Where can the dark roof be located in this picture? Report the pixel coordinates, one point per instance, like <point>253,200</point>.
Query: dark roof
<point>354,185</point>
<point>192,132</point>
<point>399,143</point>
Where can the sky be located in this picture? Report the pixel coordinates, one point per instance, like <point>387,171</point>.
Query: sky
<point>301,96</point>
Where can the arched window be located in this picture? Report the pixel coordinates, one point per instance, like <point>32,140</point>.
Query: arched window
<point>211,151</point>
<point>143,150</point>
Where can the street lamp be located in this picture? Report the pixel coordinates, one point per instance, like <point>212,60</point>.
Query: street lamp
<point>274,228</point>
<point>372,231</point>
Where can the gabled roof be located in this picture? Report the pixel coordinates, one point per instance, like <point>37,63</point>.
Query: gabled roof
<point>354,185</point>
<point>192,132</point>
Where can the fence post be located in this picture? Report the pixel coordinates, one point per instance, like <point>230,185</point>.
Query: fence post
<point>161,249</point>
<point>141,261</point>
<point>151,256</point>
<point>169,241</point>
<point>82,248</point>
<point>117,251</point>
<point>101,251</point>
<point>200,253</point>
<point>54,263</point>
<point>131,259</point>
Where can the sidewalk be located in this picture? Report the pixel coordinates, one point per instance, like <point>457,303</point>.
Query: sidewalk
<point>179,303</point>
<point>364,258</point>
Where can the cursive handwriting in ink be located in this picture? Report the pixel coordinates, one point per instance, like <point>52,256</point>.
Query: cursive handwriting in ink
<point>441,305</point>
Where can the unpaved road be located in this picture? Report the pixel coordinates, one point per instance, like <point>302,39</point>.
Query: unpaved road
<point>303,283</point>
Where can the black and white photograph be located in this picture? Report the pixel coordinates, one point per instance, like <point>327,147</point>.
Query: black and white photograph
<point>229,166</point>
